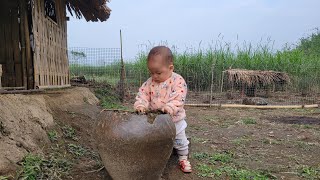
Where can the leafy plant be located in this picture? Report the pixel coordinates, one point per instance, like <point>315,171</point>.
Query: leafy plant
<point>223,157</point>
<point>200,156</point>
<point>37,167</point>
<point>310,172</point>
<point>231,172</point>
<point>4,178</point>
<point>248,121</point>
<point>76,150</point>
<point>241,141</point>
<point>31,167</point>
<point>53,135</point>
<point>69,132</point>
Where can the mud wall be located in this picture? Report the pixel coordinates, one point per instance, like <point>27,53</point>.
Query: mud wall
<point>24,120</point>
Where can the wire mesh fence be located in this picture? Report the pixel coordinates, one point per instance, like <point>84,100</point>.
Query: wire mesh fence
<point>209,81</point>
<point>95,64</point>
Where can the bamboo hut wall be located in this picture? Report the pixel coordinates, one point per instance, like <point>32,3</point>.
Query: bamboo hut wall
<point>10,55</point>
<point>51,67</point>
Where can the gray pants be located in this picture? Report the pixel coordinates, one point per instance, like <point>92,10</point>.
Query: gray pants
<point>181,142</point>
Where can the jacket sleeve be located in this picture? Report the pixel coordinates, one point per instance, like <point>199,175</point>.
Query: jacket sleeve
<point>143,96</point>
<point>178,96</point>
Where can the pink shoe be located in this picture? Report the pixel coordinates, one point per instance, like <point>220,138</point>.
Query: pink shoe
<point>185,165</point>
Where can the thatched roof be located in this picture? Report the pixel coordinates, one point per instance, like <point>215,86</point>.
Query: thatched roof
<point>91,10</point>
<point>252,77</point>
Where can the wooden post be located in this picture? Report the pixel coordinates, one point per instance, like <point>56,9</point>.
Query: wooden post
<point>23,42</point>
<point>211,88</point>
<point>122,73</point>
<point>140,78</point>
<point>26,46</point>
<point>0,76</point>
<point>222,77</point>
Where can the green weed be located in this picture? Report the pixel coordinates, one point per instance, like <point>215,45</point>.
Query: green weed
<point>248,121</point>
<point>307,126</point>
<point>200,156</point>
<point>231,172</point>
<point>73,114</point>
<point>31,167</point>
<point>53,135</point>
<point>85,99</point>
<point>296,126</point>
<point>226,168</point>
<point>69,132</point>
<point>270,141</point>
<point>210,118</point>
<point>243,174</point>
<point>76,150</point>
<point>198,127</point>
<point>303,145</point>
<point>241,141</point>
<point>224,157</point>
<point>109,98</point>
<point>205,170</point>
<point>4,178</point>
<point>225,125</point>
<point>200,140</point>
<point>310,172</point>
<point>36,167</point>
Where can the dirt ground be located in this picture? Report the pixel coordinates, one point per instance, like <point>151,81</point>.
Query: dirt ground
<point>281,144</point>
<point>284,144</point>
<point>225,143</point>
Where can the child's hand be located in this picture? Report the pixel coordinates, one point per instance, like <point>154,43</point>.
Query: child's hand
<point>141,110</point>
<point>167,110</point>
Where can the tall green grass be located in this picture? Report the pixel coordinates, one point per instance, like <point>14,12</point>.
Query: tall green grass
<point>198,66</point>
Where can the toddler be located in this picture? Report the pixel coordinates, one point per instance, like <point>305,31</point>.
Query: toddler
<point>166,91</point>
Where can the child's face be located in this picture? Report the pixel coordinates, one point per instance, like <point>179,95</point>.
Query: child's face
<point>159,69</point>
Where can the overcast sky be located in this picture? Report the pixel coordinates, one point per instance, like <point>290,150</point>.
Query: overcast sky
<point>186,23</point>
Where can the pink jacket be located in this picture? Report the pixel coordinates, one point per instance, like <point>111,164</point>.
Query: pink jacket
<point>171,93</point>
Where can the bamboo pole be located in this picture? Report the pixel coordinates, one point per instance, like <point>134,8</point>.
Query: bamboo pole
<point>53,86</point>
<point>255,106</point>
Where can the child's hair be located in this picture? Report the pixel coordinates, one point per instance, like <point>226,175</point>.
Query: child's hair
<point>164,51</point>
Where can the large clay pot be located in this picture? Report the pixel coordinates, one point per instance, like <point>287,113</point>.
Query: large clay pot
<point>132,147</point>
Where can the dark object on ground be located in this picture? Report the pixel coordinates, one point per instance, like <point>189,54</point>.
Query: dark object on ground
<point>301,120</point>
<point>230,96</point>
<point>255,101</point>
<point>133,147</point>
<point>78,80</point>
